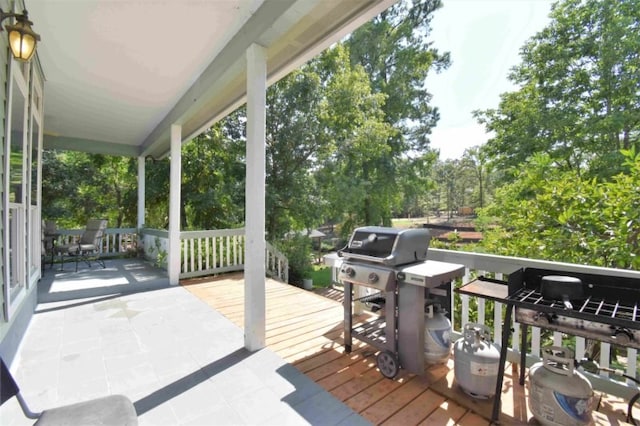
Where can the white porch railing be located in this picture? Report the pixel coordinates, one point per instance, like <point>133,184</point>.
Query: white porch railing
<point>277,264</point>
<point>465,309</point>
<point>211,252</point>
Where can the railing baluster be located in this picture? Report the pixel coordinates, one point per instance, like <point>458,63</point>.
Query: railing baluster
<point>580,347</point>
<point>481,305</point>
<point>221,251</point>
<point>535,341</point>
<point>235,249</point>
<point>632,360</point>
<point>215,252</point>
<point>515,336</point>
<point>228,251</point>
<point>497,315</point>
<point>497,321</point>
<point>465,310</point>
<point>207,260</point>
<point>185,256</point>
<point>240,250</point>
<point>605,359</point>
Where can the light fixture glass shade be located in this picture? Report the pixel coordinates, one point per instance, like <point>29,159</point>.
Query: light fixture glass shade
<point>22,40</point>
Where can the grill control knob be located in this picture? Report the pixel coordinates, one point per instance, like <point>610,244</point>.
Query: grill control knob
<point>350,272</point>
<point>373,277</point>
<point>542,319</point>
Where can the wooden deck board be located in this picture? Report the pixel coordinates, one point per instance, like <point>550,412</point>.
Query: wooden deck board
<point>306,329</point>
<point>447,414</point>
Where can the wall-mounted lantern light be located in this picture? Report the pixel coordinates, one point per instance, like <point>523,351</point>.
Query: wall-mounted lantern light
<point>22,39</point>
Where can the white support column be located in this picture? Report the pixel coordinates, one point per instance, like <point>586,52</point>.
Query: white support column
<point>254,266</point>
<point>141,191</point>
<point>174,205</point>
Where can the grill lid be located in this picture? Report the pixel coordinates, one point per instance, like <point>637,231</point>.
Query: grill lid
<point>389,246</point>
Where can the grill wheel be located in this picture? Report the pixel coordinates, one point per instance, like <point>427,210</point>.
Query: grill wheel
<point>388,364</point>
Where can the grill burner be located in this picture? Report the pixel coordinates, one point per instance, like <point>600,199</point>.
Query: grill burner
<point>613,312</point>
<point>608,312</point>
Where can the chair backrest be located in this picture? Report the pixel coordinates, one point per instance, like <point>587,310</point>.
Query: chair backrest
<point>94,232</point>
<point>50,227</point>
<point>8,386</point>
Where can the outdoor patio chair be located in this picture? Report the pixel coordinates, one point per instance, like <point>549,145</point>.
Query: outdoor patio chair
<point>108,410</point>
<point>49,236</point>
<point>89,247</point>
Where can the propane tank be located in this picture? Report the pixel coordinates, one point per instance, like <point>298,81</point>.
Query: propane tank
<point>477,361</point>
<point>558,394</point>
<point>437,335</point>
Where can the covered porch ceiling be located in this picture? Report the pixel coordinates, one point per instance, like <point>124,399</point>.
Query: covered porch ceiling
<point>119,73</point>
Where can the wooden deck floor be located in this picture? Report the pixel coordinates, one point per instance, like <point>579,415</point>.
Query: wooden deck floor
<point>306,330</point>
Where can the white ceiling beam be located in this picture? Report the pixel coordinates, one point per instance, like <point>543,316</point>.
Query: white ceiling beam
<point>65,143</point>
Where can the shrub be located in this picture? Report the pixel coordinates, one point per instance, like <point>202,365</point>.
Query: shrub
<point>297,248</point>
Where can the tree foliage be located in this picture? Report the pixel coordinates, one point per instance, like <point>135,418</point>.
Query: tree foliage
<point>294,140</point>
<point>397,54</point>
<point>79,186</point>
<point>213,173</point>
<point>553,214</point>
<point>578,100</point>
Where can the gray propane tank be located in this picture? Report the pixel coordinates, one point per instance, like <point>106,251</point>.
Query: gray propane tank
<point>437,335</point>
<point>477,361</point>
<point>558,394</point>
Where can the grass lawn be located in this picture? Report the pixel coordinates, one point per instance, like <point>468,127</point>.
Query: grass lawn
<point>321,276</point>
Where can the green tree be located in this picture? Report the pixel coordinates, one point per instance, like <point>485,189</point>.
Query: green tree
<point>475,162</point>
<point>557,215</point>
<point>357,177</point>
<point>295,139</point>
<point>396,53</point>
<point>79,186</point>
<point>578,98</point>
<point>213,173</point>
<point>445,175</point>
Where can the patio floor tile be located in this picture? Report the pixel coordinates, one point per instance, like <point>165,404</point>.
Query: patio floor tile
<point>124,330</point>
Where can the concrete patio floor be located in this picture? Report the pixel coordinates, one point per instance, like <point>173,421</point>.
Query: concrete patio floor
<point>124,330</point>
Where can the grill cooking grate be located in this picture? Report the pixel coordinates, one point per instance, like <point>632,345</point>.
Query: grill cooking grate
<point>613,312</point>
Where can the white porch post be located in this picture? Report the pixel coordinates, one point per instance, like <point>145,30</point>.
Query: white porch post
<point>174,205</point>
<point>254,265</point>
<point>141,191</point>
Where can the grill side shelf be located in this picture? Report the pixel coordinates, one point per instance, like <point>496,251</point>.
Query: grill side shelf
<point>487,288</point>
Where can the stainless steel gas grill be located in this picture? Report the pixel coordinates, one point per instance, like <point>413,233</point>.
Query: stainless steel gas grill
<point>600,307</point>
<point>392,264</point>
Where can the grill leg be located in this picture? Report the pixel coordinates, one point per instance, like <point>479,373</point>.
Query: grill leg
<point>523,352</point>
<point>506,332</point>
<point>348,318</point>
